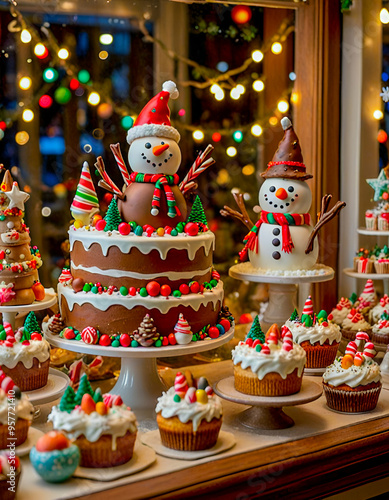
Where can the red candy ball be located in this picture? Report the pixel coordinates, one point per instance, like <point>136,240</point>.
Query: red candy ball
<point>165,341</point>
<point>225,324</point>
<point>36,336</point>
<point>153,288</point>
<point>125,340</point>
<point>124,228</point>
<point>213,332</point>
<point>191,228</point>
<point>132,290</point>
<point>165,290</point>
<point>108,198</point>
<point>194,287</point>
<point>184,289</point>
<point>100,225</point>
<point>105,340</point>
<point>172,339</point>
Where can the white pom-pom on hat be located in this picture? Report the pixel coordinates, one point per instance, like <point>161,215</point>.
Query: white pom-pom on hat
<point>286,123</point>
<point>171,87</point>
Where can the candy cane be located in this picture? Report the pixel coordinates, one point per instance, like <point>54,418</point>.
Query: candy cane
<point>360,337</point>
<point>359,359</point>
<point>284,331</point>
<point>199,165</point>
<point>369,351</point>
<point>287,343</point>
<point>6,383</point>
<point>115,148</point>
<point>101,168</point>
<point>272,338</point>
<point>265,349</point>
<point>8,329</point>
<point>180,384</point>
<point>190,395</point>
<point>351,348</point>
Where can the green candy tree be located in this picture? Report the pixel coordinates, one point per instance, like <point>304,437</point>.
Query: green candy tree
<point>112,217</point>
<point>197,213</point>
<point>256,332</point>
<point>98,397</point>
<point>67,402</point>
<point>31,324</point>
<point>83,388</point>
<point>294,316</point>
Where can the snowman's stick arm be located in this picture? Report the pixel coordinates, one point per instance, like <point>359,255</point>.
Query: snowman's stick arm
<point>325,217</point>
<point>241,216</point>
<point>107,180</point>
<point>115,148</point>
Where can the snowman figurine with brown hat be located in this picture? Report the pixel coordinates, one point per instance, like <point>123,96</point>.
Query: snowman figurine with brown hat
<point>283,238</point>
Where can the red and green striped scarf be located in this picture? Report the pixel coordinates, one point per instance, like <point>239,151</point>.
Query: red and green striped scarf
<point>283,220</point>
<point>164,182</point>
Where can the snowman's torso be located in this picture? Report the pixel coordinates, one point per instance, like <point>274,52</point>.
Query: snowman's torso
<point>271,256</point>
<point>284,196</point>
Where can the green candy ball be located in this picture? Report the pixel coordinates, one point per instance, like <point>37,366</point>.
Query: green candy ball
<point>115,343</point>
<point>2,217</point>
<point>134,343</point>
<point>78,337</point>
<point>94,289</point>
<point>258,348</point>
<point>158,343</point>
<point>143,292</point>
<point>174,232</point>
<point>86,287</point>
<point>123,290</point>
<point>133,225</point>
<point>177,293</point>
<point>213,282</point>
<point>176,398</point>
<point>138,230</point>
<point>3,335</point>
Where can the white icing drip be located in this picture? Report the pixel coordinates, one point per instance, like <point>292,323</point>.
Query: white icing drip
<point>116,422</point>
<point>194,412</point>
<point>355,375</point>
<point>10,356</point>
<point>163,304</point>
<point>143,243</point>
<point>316,333</point>
<point>278,361</point>
<point>119,273</point>
<point>23,408</point>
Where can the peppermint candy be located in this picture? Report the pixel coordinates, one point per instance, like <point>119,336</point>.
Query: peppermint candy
<point>89,335</point>
<point>384,300</point>
<point>6,383</point>
<point>8,329</point>
<point>112,400</point>
<point>190,395</point>
<point>272,338</point>
<point>180,384</point>
<point>369,351</point>
<point>361,337</point>
<point>351,348</point>
<point>265,349</point>
<point>284,331</point>
<point>287,344</point>
<point>209,390</point>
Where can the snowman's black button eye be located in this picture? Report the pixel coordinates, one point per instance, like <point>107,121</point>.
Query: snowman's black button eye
<point>147,145</point>
<point>272,189</point>
<point>290,189</point>
<point>162,143</point>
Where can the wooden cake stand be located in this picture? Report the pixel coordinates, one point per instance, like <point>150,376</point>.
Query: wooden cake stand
<point>282,288</point>
<point>266,412</point>
<point>139,384</point>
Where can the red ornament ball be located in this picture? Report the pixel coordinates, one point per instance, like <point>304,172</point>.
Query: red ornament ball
<point>105,340</point>
<point>165,290</point>
<point>241,14</point>
<point>125,340</point>
<point>184,289</point>
<point>153,288</point>
<point>107,198</point>
<point>132,291</point>
<point>100,225</point>
<point>213,332</point>
<point>124,228</point>
<point>191,228</point>
<point>385,195</point>
<point>36,336</point>
<point>194,287</point>
<point>225,324</point>
<point>172,339</point>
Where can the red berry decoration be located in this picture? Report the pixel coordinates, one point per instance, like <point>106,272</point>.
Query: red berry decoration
<point>213,332</point>
<point>165,341</point>
<point>69,334</point>
<point>105,340</point>
<point>194,287</point>
<point>36,336</point>
<point>132,291</point>
<point>249,341</point>
<point>184,289</point>
<point>125,340</point>
<point>100,225</point>
<point>124,228</point>
<point>191,229</point>
<point>168,229</point>
<point>165,290</point>
<point>172,339</point>
<point>153,288</point>
<point>225,324</point>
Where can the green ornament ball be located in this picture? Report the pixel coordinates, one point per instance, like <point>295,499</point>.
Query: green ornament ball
<point>143,292</point>
<point>134,343</point>
<point>123,290</point>
<point>86,288</point>
<point>176,293</point>
<point>115,343</point>
<point>174,232</point>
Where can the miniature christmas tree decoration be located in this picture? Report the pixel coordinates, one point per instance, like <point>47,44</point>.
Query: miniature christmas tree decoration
<point>31,324</point>
<point>112,217</point>
<point>197,213</point>
<point>67,402</point>
<point>294,316</point>
<point>147,333</point>
<point>83,388</point>
<point>256,332</point>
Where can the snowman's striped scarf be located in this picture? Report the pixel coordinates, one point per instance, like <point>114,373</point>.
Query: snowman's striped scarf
<point>283,220</point>
<point>164,182</point>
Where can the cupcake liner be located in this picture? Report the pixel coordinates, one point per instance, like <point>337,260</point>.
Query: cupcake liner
<point>379,338</point>
<point>29,379</point>
<point>350,334</point>
<point>383,224</point>
<point>101,454</point>
<point>272,384</point>
<point>5,492</point>
<point>178,436</point>
<point>381,267</point>
<point>319,356</point>
<point>20,436</point>
<point>371,223</point>
<point>352,401</point>
<point>365,266</point>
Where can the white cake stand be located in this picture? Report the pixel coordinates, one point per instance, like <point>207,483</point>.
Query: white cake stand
<point>11,312</point>
<point>139,384</point>
<point>266,412</point>
<point>282,288</point>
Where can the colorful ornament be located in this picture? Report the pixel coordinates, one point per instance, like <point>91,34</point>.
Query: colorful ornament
<point>182,331</point>
<point>89,335</point>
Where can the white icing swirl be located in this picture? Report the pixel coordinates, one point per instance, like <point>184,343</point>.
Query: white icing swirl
<point>278,361</point>
<point>10,356</point>
<point>116,422</point>
<point>359,326</point>
<point>354,376</point>
<point>315,333</point>
<point>339,315</point>
<point>194,412</point>
<point>23,408</point>
<point>379,330</point>
<point>377,311</point>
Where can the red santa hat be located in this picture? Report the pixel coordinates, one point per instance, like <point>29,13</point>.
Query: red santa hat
<point>154,119</point>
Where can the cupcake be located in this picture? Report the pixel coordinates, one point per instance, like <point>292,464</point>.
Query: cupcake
<point>365,265</point>
<point>22,412</point>
<point>383,222</point>
<point>9,476</point>
<point>354,323</point>
<point>189,415</point>
<point>25,354</point>
<point>380,331</point>
<point>54,457</point>
<point>371,220</point>
<point>268,366</point>
<point>381,264</point>
<point>318,337</point>
<point>379,309</point>
<point>340,311</point>
<point>367,300</point>
<point>353,383</point>
<point>103,428</point>
<point>362,253</point>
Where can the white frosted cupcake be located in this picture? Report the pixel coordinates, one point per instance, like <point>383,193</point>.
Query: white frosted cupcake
<point>380,330</point>
<point>379,309</point>
<point>340,311</point>
<point>354,323</point>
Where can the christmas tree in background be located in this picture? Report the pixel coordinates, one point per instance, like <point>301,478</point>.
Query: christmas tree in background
<point>83,388</point>
<point>112,217</point>
<point>67,402</point>
<point>31,324</point>
<point>256,332</point>
<point>197,213</point>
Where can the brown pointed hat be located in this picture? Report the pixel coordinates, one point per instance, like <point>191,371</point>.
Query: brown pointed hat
<point>288,160</point>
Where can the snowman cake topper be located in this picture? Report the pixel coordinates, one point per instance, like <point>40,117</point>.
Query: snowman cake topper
<point>283,238</point>
<point>152,194</point>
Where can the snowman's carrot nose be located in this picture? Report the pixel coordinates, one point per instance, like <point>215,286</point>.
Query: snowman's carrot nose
<point>281,194</point>
<point>158,150</point>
